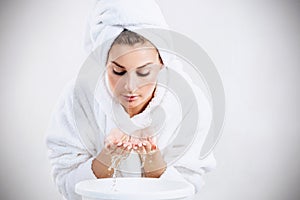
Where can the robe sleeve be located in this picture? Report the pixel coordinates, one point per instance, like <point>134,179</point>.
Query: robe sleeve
<point>70,159</point>
<point>190,167</point>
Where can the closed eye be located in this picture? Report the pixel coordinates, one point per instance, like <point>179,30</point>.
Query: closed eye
<point>143,74</point>
<point>119,73</point>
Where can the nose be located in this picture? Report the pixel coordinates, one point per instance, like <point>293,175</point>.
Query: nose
<point>130,82</point>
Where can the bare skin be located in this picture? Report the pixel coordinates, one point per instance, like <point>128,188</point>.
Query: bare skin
<point>132,70</point>
<point>119,143</point>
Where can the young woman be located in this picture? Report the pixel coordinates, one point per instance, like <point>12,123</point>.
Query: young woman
<point>132,66</point>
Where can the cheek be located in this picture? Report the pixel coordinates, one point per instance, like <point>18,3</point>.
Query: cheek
<point>147,89</point>
<point>112,80</point>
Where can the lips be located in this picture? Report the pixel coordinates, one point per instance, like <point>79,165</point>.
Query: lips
<point>130,98</point>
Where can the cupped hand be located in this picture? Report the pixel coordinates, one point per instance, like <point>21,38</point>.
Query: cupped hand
<point>144,145</point>
<point>117,142</point>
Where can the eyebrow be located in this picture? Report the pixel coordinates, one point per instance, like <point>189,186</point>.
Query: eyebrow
<point>137,67</point>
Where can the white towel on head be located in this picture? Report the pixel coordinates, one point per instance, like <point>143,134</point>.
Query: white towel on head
<point>110,17</point>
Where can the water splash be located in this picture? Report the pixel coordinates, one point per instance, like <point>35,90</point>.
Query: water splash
<point>115,163</point>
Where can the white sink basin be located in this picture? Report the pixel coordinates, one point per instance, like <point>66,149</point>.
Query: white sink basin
<point>134,188</point>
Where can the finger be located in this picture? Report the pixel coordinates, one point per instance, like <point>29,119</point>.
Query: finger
<point>153,147</point>
<point>129,147</point>
<point>152,141</point>
<point>126,144</point>
<point>134,142</point>
<point>124,138</point>
<point>126,148</point>
<point>141,150</point>
<point>119,144</point>
<point>140,144</point>
<point>147,146</point>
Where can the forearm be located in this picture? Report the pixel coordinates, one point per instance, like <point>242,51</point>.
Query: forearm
<point>101,165</point>
<point>154,165</point>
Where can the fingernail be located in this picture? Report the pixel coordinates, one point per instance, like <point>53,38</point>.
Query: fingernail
<point>135,147</point>
<point>129,147</point>
<point>144,144</point>
<point>115,142</point>
<point>140,144</point>
<point>119,144</point>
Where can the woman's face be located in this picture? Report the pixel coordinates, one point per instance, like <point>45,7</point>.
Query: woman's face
<point>132,74</point>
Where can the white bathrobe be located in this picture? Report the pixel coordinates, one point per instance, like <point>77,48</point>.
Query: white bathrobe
<point>71,157</point>
<point>83,118</point>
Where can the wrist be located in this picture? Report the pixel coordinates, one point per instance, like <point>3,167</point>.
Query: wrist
<point>101,165</point>
<point>154,165</point>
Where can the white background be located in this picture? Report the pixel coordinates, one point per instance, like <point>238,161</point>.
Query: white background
<point>254,44</point>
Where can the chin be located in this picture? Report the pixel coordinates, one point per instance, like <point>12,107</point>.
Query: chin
<point>129,104</point>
